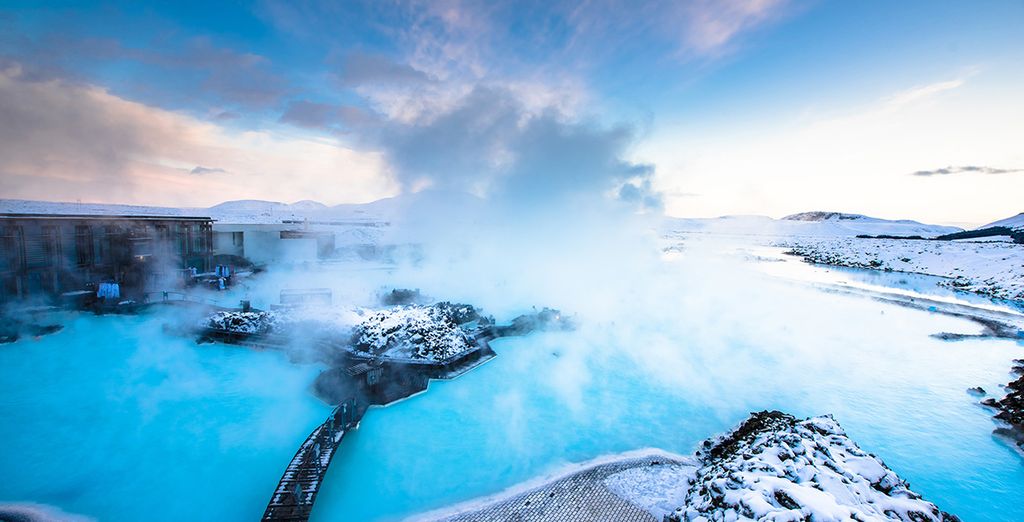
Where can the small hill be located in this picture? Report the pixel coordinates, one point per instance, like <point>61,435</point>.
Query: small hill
<point>821,215</point>
<point>1010,222</point>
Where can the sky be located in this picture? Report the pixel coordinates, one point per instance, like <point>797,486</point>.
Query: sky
<point>692,108</point>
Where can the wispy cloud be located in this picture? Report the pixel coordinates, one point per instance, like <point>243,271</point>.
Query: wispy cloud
<point>924,91</point>
<point>966,169</point>
<point>200,170</point>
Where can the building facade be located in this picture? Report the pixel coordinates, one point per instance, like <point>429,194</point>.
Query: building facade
<point>45,255</point>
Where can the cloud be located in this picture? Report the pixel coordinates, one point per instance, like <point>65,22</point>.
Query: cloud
<point>925,91</point>
<point>964,169</point>
<point>362,68</point>
<point>66,141</point>
<point>178,70</point>
<point>325,116</point>
<point>200,170</point>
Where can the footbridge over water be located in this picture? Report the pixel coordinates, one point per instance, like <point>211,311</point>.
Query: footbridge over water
<point>293,499</point>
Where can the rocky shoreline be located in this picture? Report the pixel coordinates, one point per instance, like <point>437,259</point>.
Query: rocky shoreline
<point>994,270</point>
<point>1010,409</point>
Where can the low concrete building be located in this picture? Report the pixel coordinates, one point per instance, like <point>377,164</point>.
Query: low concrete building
<point>272,243</point>
<point>44,255</point>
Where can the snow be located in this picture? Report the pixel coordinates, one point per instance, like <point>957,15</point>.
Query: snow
<point>406,332</point>
<point>1010,222</point>
<point>995,269</point>
<point>232,212</point>
<point>775,467</point>
<point>655,489</point>
<point>810,224</point>
<point>335,322</point>
<point>418,332</point>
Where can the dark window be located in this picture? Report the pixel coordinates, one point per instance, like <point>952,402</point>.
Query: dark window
<point>12,255</point>
<point>186,248</point>
<point>237,239</point>
<point>83,245</point>
<point>51,245</point>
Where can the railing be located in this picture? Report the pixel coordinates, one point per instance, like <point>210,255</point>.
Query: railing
<point>295,493</point>
<point>168,296</point>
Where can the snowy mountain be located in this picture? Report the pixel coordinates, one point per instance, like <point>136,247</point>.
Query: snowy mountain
<point>1010,222</point>
<point>813,224</point>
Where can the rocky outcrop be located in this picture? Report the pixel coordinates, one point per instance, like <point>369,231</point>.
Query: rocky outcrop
<point>1011,409</point>
<point>776,467</point>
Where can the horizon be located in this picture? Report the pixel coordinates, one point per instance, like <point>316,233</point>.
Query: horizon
<point>699,109</point>
<point>964,225</point>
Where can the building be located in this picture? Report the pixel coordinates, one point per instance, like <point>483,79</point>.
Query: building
<point>273,243</point>
<point>45,255</point>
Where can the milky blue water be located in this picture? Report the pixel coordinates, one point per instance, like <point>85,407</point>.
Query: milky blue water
<point>114,419</point>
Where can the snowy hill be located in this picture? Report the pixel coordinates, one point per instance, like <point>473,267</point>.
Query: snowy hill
<point>812,224</point>
<point>1010,222</point>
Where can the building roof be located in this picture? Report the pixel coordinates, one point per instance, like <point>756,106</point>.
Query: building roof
<point>105,217</point>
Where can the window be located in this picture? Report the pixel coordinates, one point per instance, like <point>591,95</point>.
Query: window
<point>12,249</point>
<point>184,239</point>
<point>51,245</point>
<point>237,239</point>
<point>83,245</point>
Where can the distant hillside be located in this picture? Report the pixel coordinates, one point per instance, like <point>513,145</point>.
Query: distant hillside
<point>814,224</point>
<point>1010,222</point>
<point>820,215</point>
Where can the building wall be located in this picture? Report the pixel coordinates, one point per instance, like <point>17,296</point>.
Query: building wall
<point>272,243</point>
<point>44,256</point>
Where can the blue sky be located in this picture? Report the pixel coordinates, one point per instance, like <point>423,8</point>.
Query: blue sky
<point>701,108</point>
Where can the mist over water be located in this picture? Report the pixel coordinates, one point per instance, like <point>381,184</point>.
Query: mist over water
<point>666,353</point>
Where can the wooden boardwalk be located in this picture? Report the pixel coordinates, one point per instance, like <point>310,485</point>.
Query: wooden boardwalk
<point>293,499</point>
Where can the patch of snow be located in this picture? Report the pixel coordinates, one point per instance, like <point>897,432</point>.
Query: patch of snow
<point>657,489</point>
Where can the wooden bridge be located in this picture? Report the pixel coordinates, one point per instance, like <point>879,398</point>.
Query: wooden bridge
<point>293,499</point>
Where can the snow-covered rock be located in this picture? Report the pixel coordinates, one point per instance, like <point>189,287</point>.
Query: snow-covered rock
<point>416,332</point>
<point>776,467</point>
<point>323,322</point>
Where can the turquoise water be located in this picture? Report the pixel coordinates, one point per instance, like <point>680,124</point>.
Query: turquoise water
<point>517,418</point>
<point>114,419</point>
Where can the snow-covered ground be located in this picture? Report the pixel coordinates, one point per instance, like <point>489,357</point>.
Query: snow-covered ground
<point>985,267</point>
